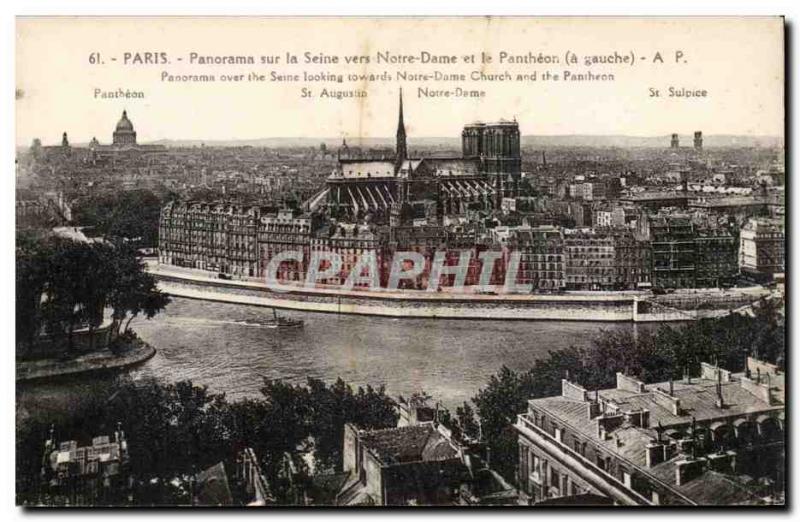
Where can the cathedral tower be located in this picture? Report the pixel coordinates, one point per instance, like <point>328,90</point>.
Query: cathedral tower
<point>401,148</point>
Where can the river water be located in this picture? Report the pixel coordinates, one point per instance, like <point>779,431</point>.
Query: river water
<point>223,346</point>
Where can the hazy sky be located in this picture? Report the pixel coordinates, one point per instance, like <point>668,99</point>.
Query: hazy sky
<point>738,61</point>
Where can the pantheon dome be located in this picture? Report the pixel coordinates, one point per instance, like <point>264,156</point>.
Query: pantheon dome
<point>124,135</point>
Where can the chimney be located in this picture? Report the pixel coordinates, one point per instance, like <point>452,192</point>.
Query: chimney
<point>608,423</point>
<point>350,450</point>
<point>753,364</point>
<point>686,470</point>
<point>640,419</point>
<point>629,383</point>
<point>722,462</point>
<point>573,391</point>
<point>714,372</point>
<point>670,449</point>
<point>720,402</point>
<point>659,430</point>
<point>666,400</point>
<point>685,446</point>
<point>654,454</point>
<point>593,409</point>
<point>760,391</point>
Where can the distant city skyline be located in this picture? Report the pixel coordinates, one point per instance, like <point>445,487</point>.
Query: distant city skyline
<point>554,140</point>
<point>104,133</point>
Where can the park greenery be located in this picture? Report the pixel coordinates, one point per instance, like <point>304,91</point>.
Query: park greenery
<point>63,285</point>
<point>176,430</point>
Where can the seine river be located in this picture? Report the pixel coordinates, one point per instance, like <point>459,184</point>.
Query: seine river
<point>224,347</point>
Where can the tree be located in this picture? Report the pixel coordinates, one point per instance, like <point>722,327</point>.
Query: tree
<point>465,420</point>
<point>132,215</point>
<point>63,285</point>
<point>77,281</point>
<point>134,291</point>
<point>32,257</point>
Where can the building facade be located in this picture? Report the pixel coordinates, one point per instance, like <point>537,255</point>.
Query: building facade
<point>418,463</point>
<point>92,475</point>
<point>589,260</point>
<point>762,246</point>
<point>699,441</point>
<point>686,254</point>
<point>542,258</point>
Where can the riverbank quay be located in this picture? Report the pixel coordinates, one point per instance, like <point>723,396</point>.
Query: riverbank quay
<point>100,361</point>
<point>600,306</point>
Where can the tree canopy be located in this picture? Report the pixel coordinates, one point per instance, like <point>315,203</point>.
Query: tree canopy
<point>131,214</point>
<point>63,285</point>
<point>176,430</point>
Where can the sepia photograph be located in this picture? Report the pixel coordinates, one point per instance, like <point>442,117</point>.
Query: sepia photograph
<point>518,262</point>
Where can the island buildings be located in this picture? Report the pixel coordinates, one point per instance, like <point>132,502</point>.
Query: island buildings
<point>717,438</point>
<point>596,233</point>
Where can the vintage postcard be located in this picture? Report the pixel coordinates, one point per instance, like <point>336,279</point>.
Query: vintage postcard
<point>463,261</point>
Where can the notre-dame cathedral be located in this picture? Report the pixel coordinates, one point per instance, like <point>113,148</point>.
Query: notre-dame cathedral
<point>487,171</point>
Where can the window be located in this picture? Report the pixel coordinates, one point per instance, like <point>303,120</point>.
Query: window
<point>555,480</point>
<point>536,470</point>
<point>524,456</point>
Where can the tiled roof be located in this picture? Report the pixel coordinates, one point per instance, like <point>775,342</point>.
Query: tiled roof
<point>407,444</point>
<point>451,166</point>
<point>697,399</point>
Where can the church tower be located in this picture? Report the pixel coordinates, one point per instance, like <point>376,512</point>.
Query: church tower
<point>401,150</point>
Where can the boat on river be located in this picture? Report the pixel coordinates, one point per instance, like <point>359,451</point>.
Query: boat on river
<point>278,321</point>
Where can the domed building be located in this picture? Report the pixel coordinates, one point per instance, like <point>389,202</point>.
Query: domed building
<point>124,135</point>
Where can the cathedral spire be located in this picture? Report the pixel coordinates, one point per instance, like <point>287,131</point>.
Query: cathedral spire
<point>401,150</point>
